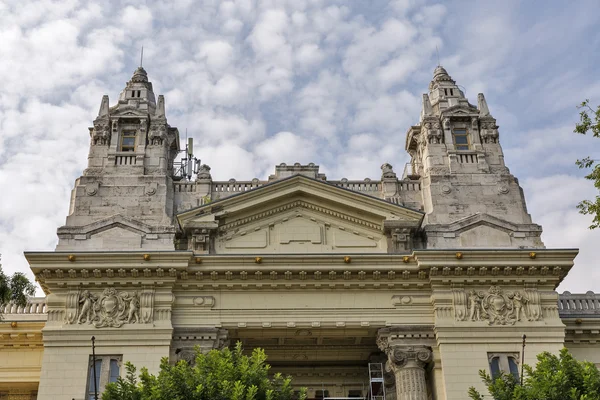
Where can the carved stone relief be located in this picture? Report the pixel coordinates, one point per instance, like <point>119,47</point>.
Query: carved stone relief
<point>489,132</point>
<point>157,134</point>
<point>112,308</point>
<point>101,133</point>
<point>432,132</point>
<point>496,306</point>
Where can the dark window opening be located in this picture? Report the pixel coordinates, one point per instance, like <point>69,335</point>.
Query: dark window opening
<point>127,141</point>
<point>461,139</point>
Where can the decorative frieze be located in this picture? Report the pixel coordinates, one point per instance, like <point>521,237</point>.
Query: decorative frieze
<point>111,308</point>
<point>497,306</point>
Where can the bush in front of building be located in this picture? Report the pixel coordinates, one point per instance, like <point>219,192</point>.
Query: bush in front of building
<point>218,375</point>
<point>559,377</point>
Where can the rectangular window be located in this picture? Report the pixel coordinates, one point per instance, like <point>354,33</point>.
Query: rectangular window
<point>127,141</point>
<point>321,394</point>
<point>108,369</point>
<point>507,363</point>
<point>461,139</point>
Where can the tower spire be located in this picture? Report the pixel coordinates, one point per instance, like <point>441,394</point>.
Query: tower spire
<point>142,58</point>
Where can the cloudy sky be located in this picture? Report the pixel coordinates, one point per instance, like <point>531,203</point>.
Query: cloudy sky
<point>335,82</point>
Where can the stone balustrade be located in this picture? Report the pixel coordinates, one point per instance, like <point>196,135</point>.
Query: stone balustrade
<point>185,187</point>
<point>232,186</point>
<point>579,305</point>
<point>365,186</point>
<point>35,309</point>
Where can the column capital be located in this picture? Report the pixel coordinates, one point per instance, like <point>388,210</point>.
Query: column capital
<point>409,356</point>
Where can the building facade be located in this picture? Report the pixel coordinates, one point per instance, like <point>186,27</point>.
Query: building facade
<point>433,274</point>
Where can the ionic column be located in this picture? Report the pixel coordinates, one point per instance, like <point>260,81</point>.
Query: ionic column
<point>408,365</point>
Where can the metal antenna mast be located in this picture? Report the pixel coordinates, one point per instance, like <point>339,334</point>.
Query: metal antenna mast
<point>142,57</point>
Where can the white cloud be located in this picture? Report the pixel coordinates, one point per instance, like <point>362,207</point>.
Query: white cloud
<point>262,82</point>
<point>137,21</point>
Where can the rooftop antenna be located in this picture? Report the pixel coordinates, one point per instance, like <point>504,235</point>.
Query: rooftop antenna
<point>437,51</point>
<point>142,57</point>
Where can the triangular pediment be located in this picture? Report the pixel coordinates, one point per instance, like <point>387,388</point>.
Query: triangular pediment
<point>300,214</point>
<point>460,110</point>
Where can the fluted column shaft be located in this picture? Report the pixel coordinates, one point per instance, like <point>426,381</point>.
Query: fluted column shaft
<point>408,365</point>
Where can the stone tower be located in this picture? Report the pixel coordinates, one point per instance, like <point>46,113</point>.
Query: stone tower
<point>469,196</point>
<point>124,200</point>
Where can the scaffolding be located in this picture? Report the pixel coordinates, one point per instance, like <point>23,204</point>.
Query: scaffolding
<point>376,384</point>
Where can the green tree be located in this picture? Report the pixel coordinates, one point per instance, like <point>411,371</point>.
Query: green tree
<point>554,378</point>
<point>218,375</point>
<point>14,289</point>
<point>589,121</point>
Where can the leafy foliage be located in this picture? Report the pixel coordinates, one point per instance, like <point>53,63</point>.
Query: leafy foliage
<point>14,289</point>
<point>554,378</point>
<point>219,375</point>
<point>589,121</point>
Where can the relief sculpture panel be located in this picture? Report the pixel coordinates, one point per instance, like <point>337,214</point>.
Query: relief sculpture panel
<point>497,306</point>
<point>110,308</point>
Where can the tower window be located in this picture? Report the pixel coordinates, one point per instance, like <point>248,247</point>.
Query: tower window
<point>108,369</point>
<point>446,92</point>
<point>461,139</point>
<point>451,92</point>
<point>127,141</point>
<point>504,362</point>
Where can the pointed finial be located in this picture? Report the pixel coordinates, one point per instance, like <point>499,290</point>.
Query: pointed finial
<point>426,110</point>
<point>482,105</point>
<point>103,106</point>
<point>142,58</point>
<point>160,107</point>
<point>437,51</point>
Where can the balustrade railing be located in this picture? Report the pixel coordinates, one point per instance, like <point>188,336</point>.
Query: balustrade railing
<point>125,160</point>
<point>35,305</point>
<point>187,187</point>
<point>235,186</point>
<point>466,158</point>
<point>570,305</point>
<point>359,186</point>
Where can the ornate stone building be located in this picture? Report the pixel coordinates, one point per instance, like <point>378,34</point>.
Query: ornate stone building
<point>434,274</point>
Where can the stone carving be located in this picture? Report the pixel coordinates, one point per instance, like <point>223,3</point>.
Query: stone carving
<point>101,133</point>
<point>503,189</point>
<point>460,304</point>
<point>437,171</point>
<point>187,355</point>
<point>432,132</point>
<point>400,356</point>
<point>204,172</point>
<point>204,301</point>
<point>157,135</point>
<point>387,172</point>
<point>489,132</point>
<point>111,309</point>
<point>446,123</point>
<point>408,365</point>
<point>499,307</point>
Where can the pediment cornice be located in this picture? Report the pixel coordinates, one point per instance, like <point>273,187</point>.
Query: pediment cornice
<point>460,110</point>
<point>479,219</point>
<point>113,221</point>
<point>298,192</point>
